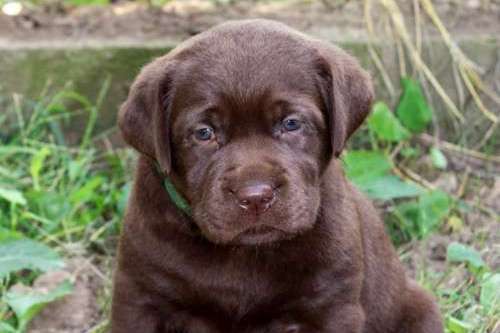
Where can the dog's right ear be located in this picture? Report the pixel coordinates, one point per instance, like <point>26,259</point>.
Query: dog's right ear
<point>144,117</point>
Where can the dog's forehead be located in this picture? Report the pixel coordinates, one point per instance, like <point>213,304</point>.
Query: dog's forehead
<point>244,68</point>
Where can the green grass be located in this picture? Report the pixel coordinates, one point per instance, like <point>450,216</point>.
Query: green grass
<point>68,196</point>
<point>67,191</point>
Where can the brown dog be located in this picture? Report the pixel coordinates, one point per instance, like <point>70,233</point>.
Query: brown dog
<point>247,121</point>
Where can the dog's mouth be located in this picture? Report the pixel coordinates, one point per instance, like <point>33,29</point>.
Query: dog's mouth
<point>259,235</point>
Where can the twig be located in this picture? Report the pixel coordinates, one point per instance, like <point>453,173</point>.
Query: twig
<point>466,73</point>
<point>373,54</point>
<point>407,173</point>
<point>401,57</point>
<point>463,184</point>
<point>428,139</point>
<point>418,30</point>
<point>459,86</point>
<point>486,136</point>
<point>399,24</point>
<point>380,67</point>
<point>467,67</point>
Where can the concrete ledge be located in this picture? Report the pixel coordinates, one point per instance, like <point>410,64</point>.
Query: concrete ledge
<point>27,67</point>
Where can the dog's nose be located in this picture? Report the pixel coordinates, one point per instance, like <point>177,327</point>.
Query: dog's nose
<point>256,197</point>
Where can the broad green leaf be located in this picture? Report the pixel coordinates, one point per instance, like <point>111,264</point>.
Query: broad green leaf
<point>363,165</point>
<point>370,171</point>
<point>458,252</point>
<point>385,125</point>
<point>426,214</point>
<point>13,196</point>
<point>413,110</point>
<point>37,165</point>
<point>438,158</point>
<point>27,254</point>
<point>455,325</point>
<point>490,291</point>
<point>435,207</point>
<point>26,306</point>
<point>387,187</point>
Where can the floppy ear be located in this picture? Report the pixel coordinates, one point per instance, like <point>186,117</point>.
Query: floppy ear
<point>347,93</point>
<point>144,117</point>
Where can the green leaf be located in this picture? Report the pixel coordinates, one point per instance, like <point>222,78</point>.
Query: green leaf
<point>455,325</point>
<point>87,191</point>
<point>370,172</point>
<point>436,205</point>
<point>438,158</point>
<point>8,235</point>
<point>26,306</point>
<point>426,214</point>
<point>6,328</point>
<point>490,291</point>
<point>413,110</point>
<point>458,252</point>
<point>410,152</point>
<point>27,254</point>
<point>53,206</point>
<point>385,125</point>
<point>13,196</point>
<point>36,166</point>
<point>388,187</point>
<point>363,165</point>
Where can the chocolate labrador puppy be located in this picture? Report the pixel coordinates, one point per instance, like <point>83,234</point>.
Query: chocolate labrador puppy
<point>241,219</point>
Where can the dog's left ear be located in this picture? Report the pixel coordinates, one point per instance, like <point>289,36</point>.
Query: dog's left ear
<point>346,90</point>
<point>144,117</point>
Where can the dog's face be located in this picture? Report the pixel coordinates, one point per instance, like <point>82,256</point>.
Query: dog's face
<point>249,144</point>
<point>244,118</point>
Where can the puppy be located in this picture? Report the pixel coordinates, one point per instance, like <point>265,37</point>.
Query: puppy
<point>241,219</point>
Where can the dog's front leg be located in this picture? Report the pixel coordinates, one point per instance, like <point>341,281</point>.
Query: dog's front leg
<point>132,311</point>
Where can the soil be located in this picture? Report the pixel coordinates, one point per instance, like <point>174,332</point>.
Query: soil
<point>78,312</point>
<point>131,22</point>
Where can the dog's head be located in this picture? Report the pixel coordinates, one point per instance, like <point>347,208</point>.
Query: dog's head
<point>243,119</point>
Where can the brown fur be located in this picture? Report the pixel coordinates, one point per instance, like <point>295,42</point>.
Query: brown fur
<point>323,262</point>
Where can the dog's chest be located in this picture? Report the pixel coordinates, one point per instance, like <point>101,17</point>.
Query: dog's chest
<point>236,288</point>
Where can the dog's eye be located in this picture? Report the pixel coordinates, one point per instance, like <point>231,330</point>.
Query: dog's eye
<point>291,124</point>
<point>204,133</point>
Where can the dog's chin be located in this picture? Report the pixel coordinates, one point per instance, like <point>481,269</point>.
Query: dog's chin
<point>252,236</point>
<point>260,235</point>
<point>257,235</point>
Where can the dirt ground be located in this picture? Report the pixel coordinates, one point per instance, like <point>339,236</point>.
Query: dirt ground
<point>177,20</point>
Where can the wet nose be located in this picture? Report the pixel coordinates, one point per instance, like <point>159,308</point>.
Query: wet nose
<point>256,197</point>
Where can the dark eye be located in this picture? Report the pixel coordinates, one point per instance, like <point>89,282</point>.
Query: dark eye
<point>204,133</point>
<point>291,124</point>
